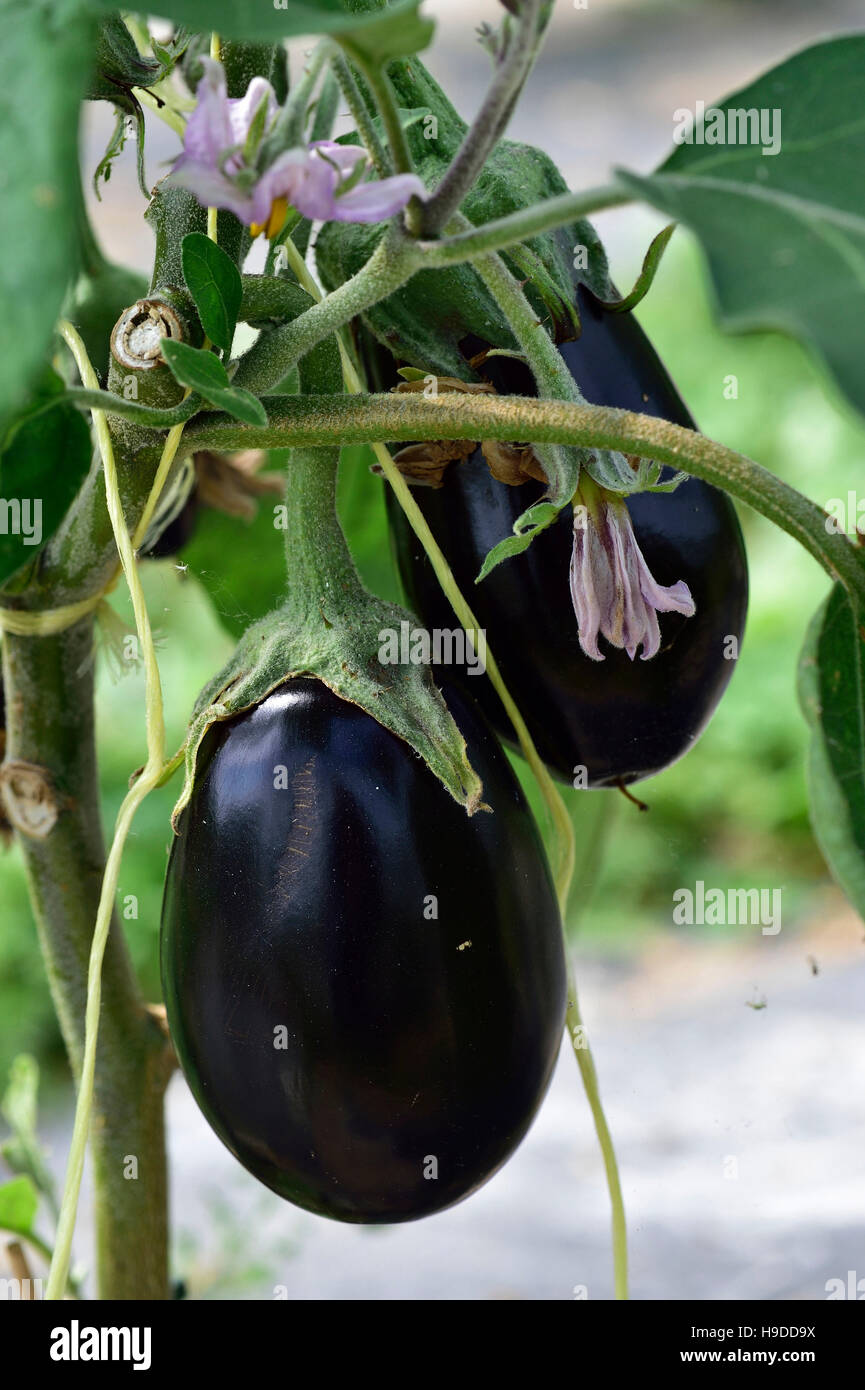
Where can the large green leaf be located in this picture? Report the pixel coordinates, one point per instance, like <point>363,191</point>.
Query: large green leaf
<point>785,233</point>
<point>832,695</point>
<point>45,59</point>
<point>45,461</point>
<point>397,32</point>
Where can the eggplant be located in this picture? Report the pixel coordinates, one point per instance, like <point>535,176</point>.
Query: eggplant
<point>596,723</point>
<point>365,987</point>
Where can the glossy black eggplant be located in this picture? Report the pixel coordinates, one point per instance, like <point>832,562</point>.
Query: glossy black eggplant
<point>365,987</point>
<point>619,719</point>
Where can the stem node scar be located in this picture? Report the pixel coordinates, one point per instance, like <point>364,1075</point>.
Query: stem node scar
<point>136,340</point>
<point>29,798</point>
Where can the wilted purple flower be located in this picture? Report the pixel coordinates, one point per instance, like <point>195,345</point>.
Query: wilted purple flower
<point>613,591</point>
<point>226,164</point>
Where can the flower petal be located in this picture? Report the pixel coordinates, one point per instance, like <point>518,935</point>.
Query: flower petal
<point>378,200</point>
<point>213,189</point>
<point>612,588</point>
<point>208,131</point>
<point>242,110</point>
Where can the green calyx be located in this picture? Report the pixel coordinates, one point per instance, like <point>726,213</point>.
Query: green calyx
<point>426,321</point>
<point>329,626</point>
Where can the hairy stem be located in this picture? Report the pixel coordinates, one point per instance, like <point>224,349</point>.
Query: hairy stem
<point>312,420</point>
<point>514,66</point>
<point>383,94</point>
<point>49,693</point>
<point>470,242</point>
<point>362,119</point>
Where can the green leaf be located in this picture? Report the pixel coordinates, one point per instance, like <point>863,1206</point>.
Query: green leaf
<point>526,527</point>
<point>399,33</point>
<point>19,1201</point>
<point>393,32</point>
<point>832,696</point>
<point>785,233</point>
<point>118,65</point>
<point>45,459</point>
<point>204,373</point>
<point>214,282</point>
<point>45,59</point>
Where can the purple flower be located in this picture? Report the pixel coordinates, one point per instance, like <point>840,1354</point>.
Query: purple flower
<point>612,588</point>
<point>226,164</point>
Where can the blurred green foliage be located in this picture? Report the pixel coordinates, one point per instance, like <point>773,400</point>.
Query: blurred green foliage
<point>732,813</point>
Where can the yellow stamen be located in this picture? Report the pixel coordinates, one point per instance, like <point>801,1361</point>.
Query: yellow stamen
<point>275,221</point>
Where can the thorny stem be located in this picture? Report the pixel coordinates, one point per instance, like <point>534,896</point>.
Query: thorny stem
<point>49,689</point>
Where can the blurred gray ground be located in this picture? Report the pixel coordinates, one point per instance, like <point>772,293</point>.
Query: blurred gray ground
<point>696,1082</point>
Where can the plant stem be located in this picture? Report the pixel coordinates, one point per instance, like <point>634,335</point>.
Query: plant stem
<point>563,867</point>
<point>149,777</point>
<point>530,222</point>
<point>49,692</point>
<point>489,124</point>
<point>274,354</point>
<point>585,1061</point>
<point>362,119</point>
<point>291,126</point>
<point>311,420</point>
<point>383,95</point>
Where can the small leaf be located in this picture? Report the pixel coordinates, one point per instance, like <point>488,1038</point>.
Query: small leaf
<point>43,464</point>
<point>204,373</point>
<point>400,33</point>
<point>784,233</point>
<point>408,116</point>
<point>214,282</point>
<point>117,63</point>
<point>19,1201</point>
<point>832,696</point>
<point>526,527</point>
